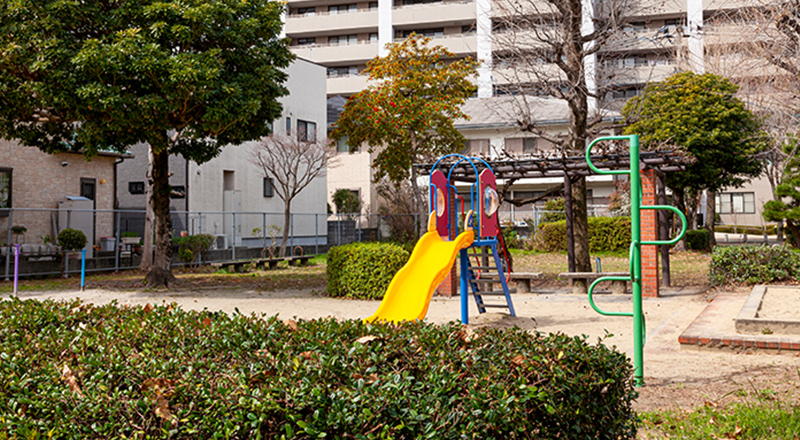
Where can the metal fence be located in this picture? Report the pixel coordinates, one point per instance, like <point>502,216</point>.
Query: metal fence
<point>237,235</point>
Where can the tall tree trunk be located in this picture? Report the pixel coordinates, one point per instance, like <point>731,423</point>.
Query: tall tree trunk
<point>422,217</point>
<point>678,201</point>
<point>160,273</point>
<point>147,247</point>
<point>287,224</point>
<point>711,215</point>
<point>580,226</point>
<point>663,231</point>
<point>569,224</point>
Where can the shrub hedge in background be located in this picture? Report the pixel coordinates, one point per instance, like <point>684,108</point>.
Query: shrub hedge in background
<point>606,234</point>
<point>73,371</point>
<point>363,270</point>
<point>697,239</point>
<point>752,265</point>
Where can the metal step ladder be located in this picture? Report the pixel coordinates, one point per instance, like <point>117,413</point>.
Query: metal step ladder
<point>482,278</point>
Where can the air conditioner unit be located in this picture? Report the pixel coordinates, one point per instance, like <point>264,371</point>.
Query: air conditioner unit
<point>220,241</point>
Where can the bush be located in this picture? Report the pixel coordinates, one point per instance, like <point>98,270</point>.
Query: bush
<point>346,201</point>
<point>192,246</point>
<point>752,230</point>
<point>555,211</point>
<point>697,239</point>
<point>511,238</point>
<point>71,239</point>
<point>606,234</point>
<point>752,265</point>
<point>363,270</point>
<point>111,372</point>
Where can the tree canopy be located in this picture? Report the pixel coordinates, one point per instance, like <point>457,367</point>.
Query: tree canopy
<point>187,77</point>
<point>701,114</point>
<point>407,113</point>
<point>787,206</point>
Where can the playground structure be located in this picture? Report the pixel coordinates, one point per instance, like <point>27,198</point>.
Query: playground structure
<point>635,275</point>
<point>409,293</point>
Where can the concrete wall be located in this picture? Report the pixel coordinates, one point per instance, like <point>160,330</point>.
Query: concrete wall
<point>41,180</point>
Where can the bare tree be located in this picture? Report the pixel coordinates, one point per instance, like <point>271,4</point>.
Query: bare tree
<point>541,48</point>
<point>291,165</point>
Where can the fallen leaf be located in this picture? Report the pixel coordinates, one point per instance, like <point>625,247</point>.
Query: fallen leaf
<point>518,360</point>
<point>162,410</point>
<point>307,355</point>
<point>291,323</point>
<point>148,308</point>
<point>372,378</point>
<point>206,322</point>
<point>67,376</point>
<point>160,386</point>
<point>711,404</point>
<point>365,339</point>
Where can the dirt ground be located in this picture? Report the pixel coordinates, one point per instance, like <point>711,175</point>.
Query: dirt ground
<point>675,377</point>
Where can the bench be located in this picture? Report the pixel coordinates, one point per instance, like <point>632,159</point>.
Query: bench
<point>268,263</point>
<point>588,277</point>
<point>521,279</point>
<point>300,260</point>
<point>237,266</point>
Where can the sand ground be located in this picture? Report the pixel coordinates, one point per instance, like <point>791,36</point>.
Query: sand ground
<point>674,377</point>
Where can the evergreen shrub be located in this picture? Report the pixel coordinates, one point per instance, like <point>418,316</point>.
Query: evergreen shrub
<point>71,239</point>
<point>363,270</point>
<point>606,234</point>
<point>75,371</point>
<point>697,240</point>
<point>752,265</point>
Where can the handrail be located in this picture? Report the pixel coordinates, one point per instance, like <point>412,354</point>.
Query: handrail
<point>591,298</point>
<point>605,138</point>
<point>678,237</point>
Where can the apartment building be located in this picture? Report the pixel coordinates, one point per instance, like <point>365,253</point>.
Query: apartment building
<point>664,36</point>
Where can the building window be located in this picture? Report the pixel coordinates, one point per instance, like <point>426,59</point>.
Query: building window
<point>335,72</point>
<point>529,145</point>
<point>373,37</point>
<point>343,40</point>
<point>288,126</point>
<point>307,11</point>
<point>341,145</point>
<point>431,32</point>
<point>736,203</point>
<point>306,131</point>
<point>136,187</point>
<point>5,190</point>
<point>268,189</point>
<point>342,9</point>
<point>306,41</point>
<point>373,6</point>
<point>177,192</point>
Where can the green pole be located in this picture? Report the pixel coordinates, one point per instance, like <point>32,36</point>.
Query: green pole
<point>636,264</point>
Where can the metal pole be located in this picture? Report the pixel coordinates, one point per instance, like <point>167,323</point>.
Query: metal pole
<point>83,269</point>
<point>570,226</point>
<point>264,229</point>
<point>464,286</point>
<point>316,234</point>
<point>66,264</point>
<point>636,276</point>
<point>117,241</point>
<point>8,240</point>
<point>233,236</point>
<point>291,232</point>
<point>16,267</point>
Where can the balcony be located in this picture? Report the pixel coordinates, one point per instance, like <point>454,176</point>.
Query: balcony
<point>323,23</point>
<point>453,13</point>
<point>460,44</point>
<point>326,54</point>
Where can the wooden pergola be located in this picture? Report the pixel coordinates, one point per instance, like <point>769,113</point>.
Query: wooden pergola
<point>510,169</point>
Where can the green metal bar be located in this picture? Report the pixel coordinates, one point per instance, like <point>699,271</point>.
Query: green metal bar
<point>610,138</point>
<point>598,309</point>
<point>636,280</point>
<point>683,227</point>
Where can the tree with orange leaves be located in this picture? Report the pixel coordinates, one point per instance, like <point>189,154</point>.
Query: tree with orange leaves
<point>408,111</point>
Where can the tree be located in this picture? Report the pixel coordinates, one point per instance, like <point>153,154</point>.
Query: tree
<point>291,165</point>
<point>546,48</point>
<point>346,201</point>
<point>407,113</point>
<point>786,206</point>
<point>701,114</point>
<point>186,77</point>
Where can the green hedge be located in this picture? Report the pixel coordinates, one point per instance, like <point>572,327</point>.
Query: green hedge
<point>753,230</point>
<point>73,371</point>
<point>697,239</point>
<point>752,265</point>
<point>363,270</point>
<point>606,234</point>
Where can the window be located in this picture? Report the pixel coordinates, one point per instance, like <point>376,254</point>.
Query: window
<point>373,6</point>
<point>342,9</point>
<point>736,203</point>
<point>306,41</point>
<point>469,29</point>
<point>288,126</point>
<point>342,146</point>
<point>268,189</point>
<point>475,146</point>
<point>636,26</point>
<point>529,145</point>
<point>335,72</point>
<point>5,190</point>
<point>177,192</point>
<point>306,131</point>
<point>343,40</point>
<point>432,32</point>
<point>136,187</point>
<point>373,37</point>
<point>307,11</point>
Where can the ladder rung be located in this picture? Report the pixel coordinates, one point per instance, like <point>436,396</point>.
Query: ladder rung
<point>496,306</point>
<point>496,293</point>
<point>483,267</point>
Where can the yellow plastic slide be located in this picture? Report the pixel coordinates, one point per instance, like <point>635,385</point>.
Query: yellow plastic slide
<point>409,294</point>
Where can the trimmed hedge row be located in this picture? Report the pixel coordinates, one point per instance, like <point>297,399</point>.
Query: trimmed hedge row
<point>73,371</point>
<point>752,265</point>
<point>363,270</point>
<point>697,239</point>
<point>606,234</point>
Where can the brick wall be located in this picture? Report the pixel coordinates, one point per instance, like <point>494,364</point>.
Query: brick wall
<point>40,181</point>
<point>649,230</point>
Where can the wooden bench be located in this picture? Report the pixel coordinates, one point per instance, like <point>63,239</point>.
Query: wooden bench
<point>521,279</point>
<point>588,277</point>
<point>268,263</point>
<point>237,266</point>
<point>300,260</point>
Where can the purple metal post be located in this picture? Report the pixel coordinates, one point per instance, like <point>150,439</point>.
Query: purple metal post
<point>16,266</point>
